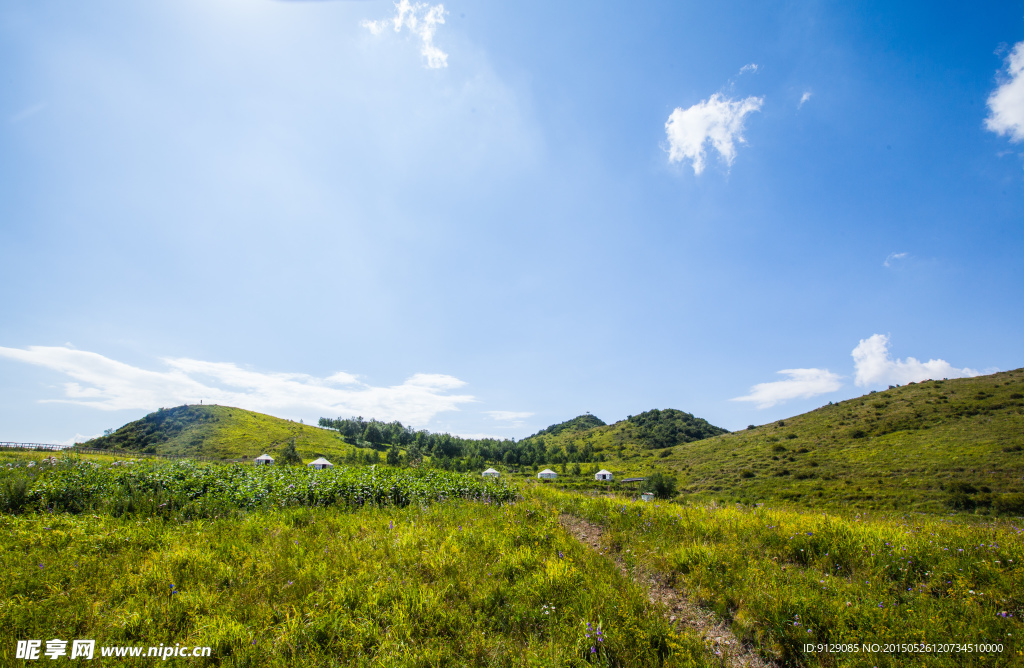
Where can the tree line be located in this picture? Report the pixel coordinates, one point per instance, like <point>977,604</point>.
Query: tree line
<point>392,437</point>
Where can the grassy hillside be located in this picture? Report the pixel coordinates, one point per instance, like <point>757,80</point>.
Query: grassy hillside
<point>220,432</point>
<point>624,440</point>
<point>577,424</point>
<point>954,444</point>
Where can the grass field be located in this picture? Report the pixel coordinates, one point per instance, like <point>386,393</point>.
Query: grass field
<point>435,579</point>
<point>458,583</point>
<point>786,578</point>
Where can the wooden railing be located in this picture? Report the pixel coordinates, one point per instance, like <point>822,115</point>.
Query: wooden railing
<point>10,445</point>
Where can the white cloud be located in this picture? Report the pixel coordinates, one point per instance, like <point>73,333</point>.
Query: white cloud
<point>1006,103</point>
<point>422,20</point>
<point>892,257</point>
<point>802,383</point>
<point>874,366</point>
<point>752,67</point>
<point>507,415</point>
<point>718,120</point>
<point>77,438</point>
<point>804,98</point>
<point>105,384</point>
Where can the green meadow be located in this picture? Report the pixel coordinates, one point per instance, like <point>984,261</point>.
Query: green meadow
<point>401,567</point>
<point>884,530</point>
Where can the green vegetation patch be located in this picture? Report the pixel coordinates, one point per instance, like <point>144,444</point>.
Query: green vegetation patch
<point>191,489</point>
<point>452,584</point>
<point>786,579</point>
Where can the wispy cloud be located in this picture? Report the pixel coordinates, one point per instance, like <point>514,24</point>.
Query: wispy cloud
<point>801,384</point>
<point>717,120</point>
<point>421,20</point>
<point>804,98</point>
<point>105,384</point>
<point>874,366</point>
<point>752,67</point>
<point>507,415</point>
<point>77,438</point>
<point>892,257</point>
<point>1006,103</point>
<point>27,113</point>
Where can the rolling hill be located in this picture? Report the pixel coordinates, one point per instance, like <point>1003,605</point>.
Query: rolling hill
<point>935,445</point>
<point>219,432</point>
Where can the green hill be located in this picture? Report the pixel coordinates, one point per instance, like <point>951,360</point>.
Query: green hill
<point>935,445</point>
<point>579,423</point>
<point>220,432</point>
<point>627,442</point>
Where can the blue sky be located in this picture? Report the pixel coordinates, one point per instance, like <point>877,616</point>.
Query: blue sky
<point>485,218</point>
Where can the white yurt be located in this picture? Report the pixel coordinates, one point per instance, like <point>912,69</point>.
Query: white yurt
<point>547,474</point>
<point>603,474</point>
<point>491,473</point>
<point>264,460</point>
<point>321,464</point>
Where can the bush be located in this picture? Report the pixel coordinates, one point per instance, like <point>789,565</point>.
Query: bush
<point>289,455</point>
<point>662,485</point>
<point>1009,503</point>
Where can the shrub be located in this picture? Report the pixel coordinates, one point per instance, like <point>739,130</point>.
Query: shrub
<point>1009,503</point>
<point>662,485</point>
<point>289,455</point>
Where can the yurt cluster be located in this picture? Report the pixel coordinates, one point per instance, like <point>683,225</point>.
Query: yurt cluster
<point>317,464</point>
<point>546,474</point>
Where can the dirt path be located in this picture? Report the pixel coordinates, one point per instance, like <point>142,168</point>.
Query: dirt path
<point>683,613</point>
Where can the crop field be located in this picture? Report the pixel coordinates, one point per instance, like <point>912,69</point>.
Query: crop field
<point>187,489</point>
<point>283,566</point>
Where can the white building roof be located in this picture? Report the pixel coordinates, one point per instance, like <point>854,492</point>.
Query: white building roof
<point>490,471</point>
<point>321,462</point>
<point>604,472</point>
<point>547,471</point>
<point>265,456</point>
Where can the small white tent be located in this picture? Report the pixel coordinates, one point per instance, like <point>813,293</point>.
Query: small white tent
<point>321,464</point>
<point>264,460</point>
<point>491,473</point>
<point>547,474</point>
<point>603,474</point>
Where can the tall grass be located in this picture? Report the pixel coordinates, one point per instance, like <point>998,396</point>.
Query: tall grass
<point>787,578</point>
<point>452,584</point>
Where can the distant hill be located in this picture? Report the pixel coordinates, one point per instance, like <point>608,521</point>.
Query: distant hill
<point>221,432</point>
<point>627,442</point>
<point>579,423</point>
<point>935,445</point>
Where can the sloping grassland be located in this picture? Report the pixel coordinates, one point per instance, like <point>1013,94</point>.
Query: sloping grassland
<point>220,432</point>
<point>935,445</point>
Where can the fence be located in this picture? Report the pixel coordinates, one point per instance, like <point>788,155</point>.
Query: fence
<point>9,445</point>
